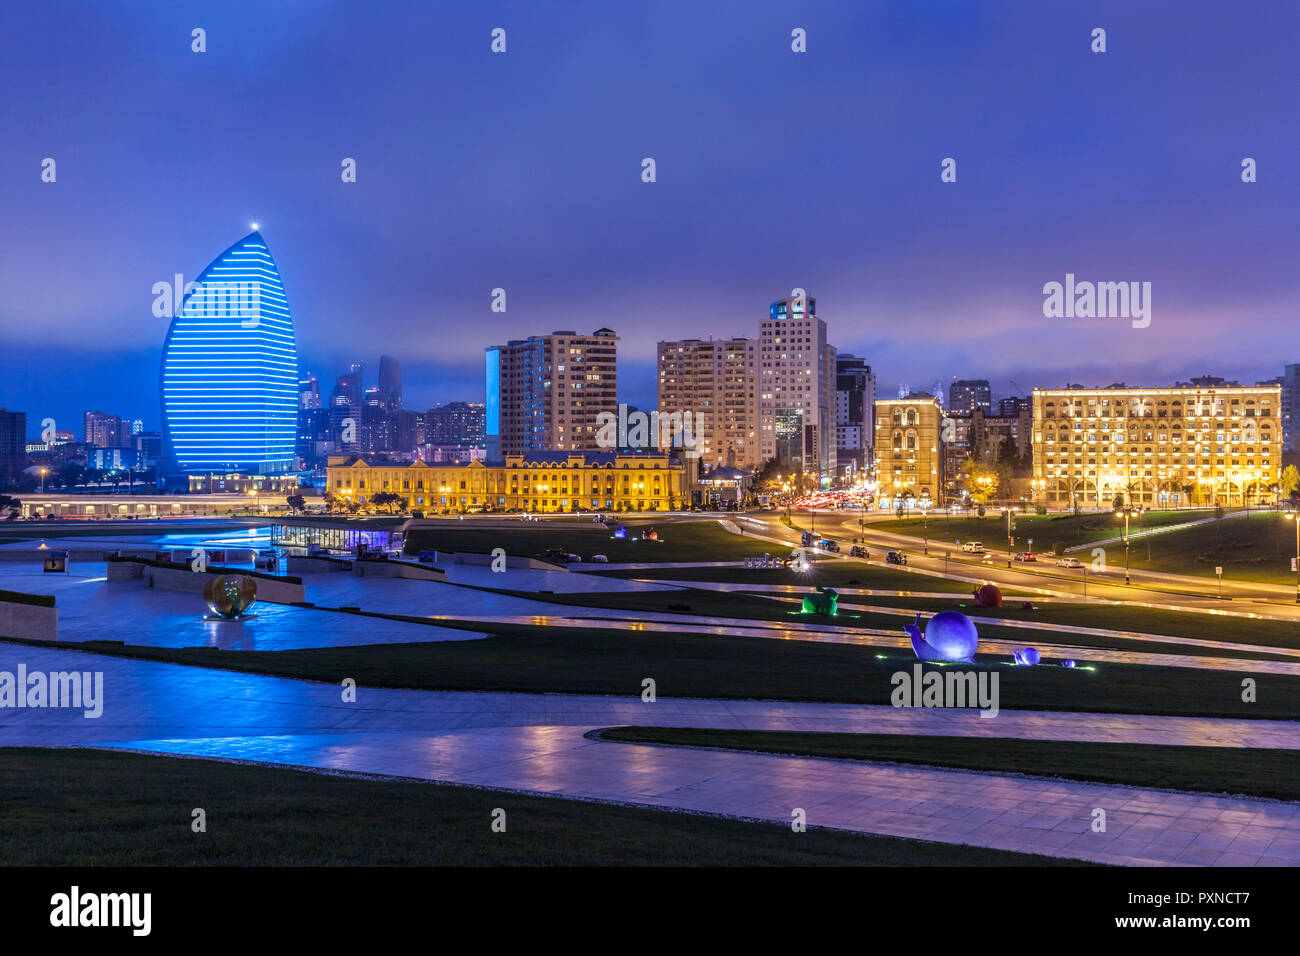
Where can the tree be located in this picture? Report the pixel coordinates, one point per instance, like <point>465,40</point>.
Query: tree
<point>1290,481</point>
<point>10,506</point>
<point>296,502</point>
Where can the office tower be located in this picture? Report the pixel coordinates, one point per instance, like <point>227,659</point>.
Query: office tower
<point>546,391</point>
<point>13,447</point>
<point>855,401</point>
<point>1207,441</point>
<point>967,394</point>
<point>106,431</point>
<point>230,368</point>
<point>390,382</point>
<point>796,372</point>
<point>909,453</point>
<point>137,426</point>
<point>714,380</point>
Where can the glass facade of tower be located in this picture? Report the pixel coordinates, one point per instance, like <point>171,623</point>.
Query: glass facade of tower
<point>229,377</point>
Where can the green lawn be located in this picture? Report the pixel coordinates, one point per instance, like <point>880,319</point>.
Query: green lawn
<point>1251,771</point>
<point>602,661</point>
<point>1046,530</point>
<point>781,608</point>
<point>98,808</point>
<point>1254,548</point>
<point>1118,617</point>
<point>678,541</point>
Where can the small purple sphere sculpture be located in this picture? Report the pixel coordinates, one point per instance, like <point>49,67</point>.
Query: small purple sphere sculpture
<point>1028,656</point>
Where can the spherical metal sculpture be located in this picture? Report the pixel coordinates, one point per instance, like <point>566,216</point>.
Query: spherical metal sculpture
<point>620,531</point>
<point>230,595</point>
<point>1028,656</point>
<point>1069,663</point>
<point>988,595</point>
<point>949,636</point>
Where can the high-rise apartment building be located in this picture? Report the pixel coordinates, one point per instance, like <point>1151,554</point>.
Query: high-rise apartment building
<point>1201,442</point>
<point>546,391</point>
<point>855,401</point>
<point>714,380</point>
<point>1290,383</point>
<point>967,394</point>
<point>909,454</point>
<point>796,374</point>
<point>456,425</point>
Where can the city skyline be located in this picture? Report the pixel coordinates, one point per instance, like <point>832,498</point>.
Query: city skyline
<point>901,262</point>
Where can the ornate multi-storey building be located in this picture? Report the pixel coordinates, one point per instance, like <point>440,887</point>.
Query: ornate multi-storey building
<point>909,454</point>
<point>1203,442</point>
<point>539,480</point>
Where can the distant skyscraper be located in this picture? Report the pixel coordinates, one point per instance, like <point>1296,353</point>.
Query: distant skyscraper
<point>13,446</point>
<point>106,431</point>
<point>308,392</point>
<point>967,394</point>
<point>796,371</point>
<point>855,402</point>
<point>230,368</point>
<point>546,391</point>
<point>390,382</point>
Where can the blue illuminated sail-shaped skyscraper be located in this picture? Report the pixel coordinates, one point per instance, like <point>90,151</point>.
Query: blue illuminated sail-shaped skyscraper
<point>230,369</point>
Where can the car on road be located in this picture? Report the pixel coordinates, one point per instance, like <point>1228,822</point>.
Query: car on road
<point>857,551</point>
<point>826,544</point>
<point>1028,557</point>
<point>973,547</point>
<point>599,559</point>
<point>806,538</point>
<point>1069,563</point>
<point>895,557</point>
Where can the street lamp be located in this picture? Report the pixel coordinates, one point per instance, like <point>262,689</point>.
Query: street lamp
<point>1127,513</point>
<point>44,472</point>
<point>1293,516</point>
<point>252,493</point>
<point>1008,512</point>
<point>925,530</point>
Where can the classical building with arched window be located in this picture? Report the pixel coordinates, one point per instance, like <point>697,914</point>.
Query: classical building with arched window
<point>1200,443</point>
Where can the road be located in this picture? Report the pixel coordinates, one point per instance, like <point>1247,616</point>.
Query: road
<point>1152,589</point>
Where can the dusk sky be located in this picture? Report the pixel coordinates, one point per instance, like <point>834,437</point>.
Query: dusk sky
<point>775,169</point>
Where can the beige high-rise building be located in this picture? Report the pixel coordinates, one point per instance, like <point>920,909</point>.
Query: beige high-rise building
<point>1200,442</point>
<point>546,391</point>
<point>796,388</point>
<point>714,381</point>
<point>909,454</point>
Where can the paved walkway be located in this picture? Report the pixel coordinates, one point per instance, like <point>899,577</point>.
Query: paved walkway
<point>535,743</point>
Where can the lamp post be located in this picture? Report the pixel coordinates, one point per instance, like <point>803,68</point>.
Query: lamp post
<point>1294,517</point>
<point>1126,513</point>
<point>252,493</point>
<point>925,530</point>
<point>1008,511</point>
<point>44,472</point>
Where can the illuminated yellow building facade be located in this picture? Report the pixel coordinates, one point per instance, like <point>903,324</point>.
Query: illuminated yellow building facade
<point>538,481</point>
<point>1189,444</point>
<point>909,455</point>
